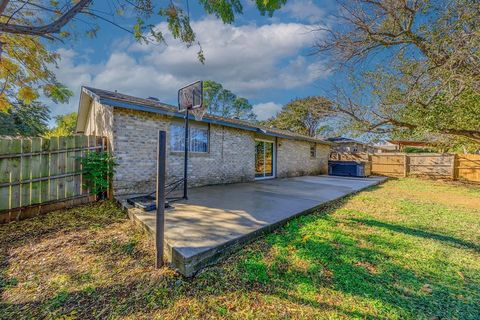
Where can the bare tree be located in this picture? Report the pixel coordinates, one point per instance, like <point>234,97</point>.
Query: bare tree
<point>421,58</point>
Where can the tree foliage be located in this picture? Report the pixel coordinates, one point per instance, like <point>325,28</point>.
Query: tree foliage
<point>303,116</point>
<point>26,72</point>
<point>65,125</point>
<point>26,64</point>
<point>50,19</point>
<point>421,62</point>
<point>224,103</point>
<point>25,120</point>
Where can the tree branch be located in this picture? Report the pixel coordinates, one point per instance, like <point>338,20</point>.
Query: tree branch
<point>3,5</point>
<point>46,30</point>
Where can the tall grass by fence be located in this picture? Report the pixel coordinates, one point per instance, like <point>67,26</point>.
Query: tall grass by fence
<point>434,165</point>
<point>39,175</point>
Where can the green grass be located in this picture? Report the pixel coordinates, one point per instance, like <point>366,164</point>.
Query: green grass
<point>408,249</point>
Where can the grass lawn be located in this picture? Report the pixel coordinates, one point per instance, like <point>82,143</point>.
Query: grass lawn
<point>408,249</point>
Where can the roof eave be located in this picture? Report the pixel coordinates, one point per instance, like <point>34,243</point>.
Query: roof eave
<point>84,103</point>
<point>133,106</point>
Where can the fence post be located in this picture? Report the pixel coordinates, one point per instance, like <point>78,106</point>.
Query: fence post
<point>454,167</point>
<point>160,198</point>
<point>405,165</point>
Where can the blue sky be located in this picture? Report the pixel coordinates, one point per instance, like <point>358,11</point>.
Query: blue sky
<point>264,59</point>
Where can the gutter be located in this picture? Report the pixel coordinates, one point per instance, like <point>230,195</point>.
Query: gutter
<point>133,106</point>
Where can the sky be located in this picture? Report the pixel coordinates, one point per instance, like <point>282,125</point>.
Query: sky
<point>267,60</point>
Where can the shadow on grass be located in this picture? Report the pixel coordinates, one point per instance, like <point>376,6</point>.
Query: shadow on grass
<point>290,264</point>
<point>379,285</point>
<point>134,298</point>
<point>419,233</point>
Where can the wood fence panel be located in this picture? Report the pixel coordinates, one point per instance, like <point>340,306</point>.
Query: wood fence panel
<point>61,166</point>
<point>5,175</point>
<point>25,173</point>
<point>431,165</point>
<point>76,165</point>
<point>70,167</point>
<point>35,171</point>
<point>45,171</point>
<point>468,167</point>
<point>39,175</point>
<point>54,170</point>
<point>15,165</point>
<point>388,164</point>
<point>350,156</point>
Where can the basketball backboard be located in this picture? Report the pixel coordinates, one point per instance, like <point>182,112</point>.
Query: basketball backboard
<point>190,97</point>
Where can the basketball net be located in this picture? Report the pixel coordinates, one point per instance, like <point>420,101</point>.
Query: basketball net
<point>198,113</point>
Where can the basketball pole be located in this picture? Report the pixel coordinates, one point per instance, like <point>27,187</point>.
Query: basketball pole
<point>185,165</point>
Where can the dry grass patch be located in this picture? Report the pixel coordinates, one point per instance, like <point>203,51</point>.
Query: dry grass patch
<point>408,249</point>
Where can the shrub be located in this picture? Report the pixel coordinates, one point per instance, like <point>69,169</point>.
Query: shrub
<point>418,150</point>
<point>98,170</point>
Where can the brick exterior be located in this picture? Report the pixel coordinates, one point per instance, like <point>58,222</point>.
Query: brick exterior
<point>293,158</point>
<point>133,141</point>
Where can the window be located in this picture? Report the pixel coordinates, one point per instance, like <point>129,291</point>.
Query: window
<point>198,138</point>
<point>313,150</point>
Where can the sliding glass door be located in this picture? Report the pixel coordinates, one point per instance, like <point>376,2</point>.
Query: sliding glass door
<point>264,159</point>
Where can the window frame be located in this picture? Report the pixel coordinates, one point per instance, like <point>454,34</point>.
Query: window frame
<point>313,150</point>
<point>191,127</point>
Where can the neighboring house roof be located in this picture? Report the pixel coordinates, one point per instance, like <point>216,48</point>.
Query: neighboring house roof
<point>120,100</point>
<point>348,140</point>
<point>343,140</point>
<point>411,143</point>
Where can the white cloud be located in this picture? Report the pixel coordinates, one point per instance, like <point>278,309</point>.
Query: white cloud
<point>305,10</point>
<point>266,110</point>
<point>247,59</point>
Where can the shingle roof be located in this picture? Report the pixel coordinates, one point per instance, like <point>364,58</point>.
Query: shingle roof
<point>342,139</point>
<point>121,100</point>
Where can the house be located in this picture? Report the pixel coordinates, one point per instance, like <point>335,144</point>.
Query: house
<point>387,146</point>
<point>400,145</point>
<point>221,150</point>
<point>346,145</point>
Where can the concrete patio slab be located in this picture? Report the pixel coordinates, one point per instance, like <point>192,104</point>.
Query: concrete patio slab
<point>219,219</point>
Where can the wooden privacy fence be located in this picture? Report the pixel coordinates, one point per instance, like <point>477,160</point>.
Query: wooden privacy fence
<point>39,175</point>
<point>434,165</point>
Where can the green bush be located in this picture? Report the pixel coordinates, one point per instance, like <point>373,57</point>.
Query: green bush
<point>418,150</point>
<point>98,170</point>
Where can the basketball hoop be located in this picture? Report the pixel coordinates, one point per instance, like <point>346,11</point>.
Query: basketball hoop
<point>190,100</point>
<point>198,113</point>
<point>190,97</point>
